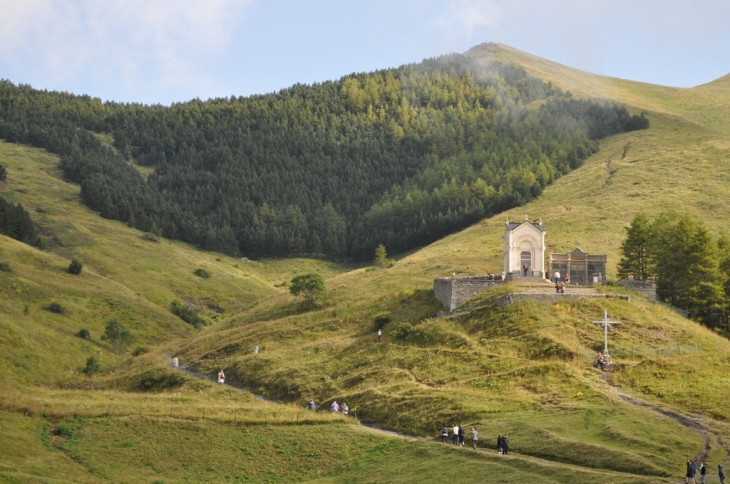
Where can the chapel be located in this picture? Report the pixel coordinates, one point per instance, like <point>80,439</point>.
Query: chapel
<point>524,249</point>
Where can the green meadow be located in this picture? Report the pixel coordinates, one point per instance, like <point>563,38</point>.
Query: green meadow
<point>524,369</point>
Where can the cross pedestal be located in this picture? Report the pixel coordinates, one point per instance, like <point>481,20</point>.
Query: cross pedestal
<point>606,323</point>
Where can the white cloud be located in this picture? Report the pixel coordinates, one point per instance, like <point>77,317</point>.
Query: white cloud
<point>119,40</point>
<point>469,15</point>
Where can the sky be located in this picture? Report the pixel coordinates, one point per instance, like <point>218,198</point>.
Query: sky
<point>166,51</point>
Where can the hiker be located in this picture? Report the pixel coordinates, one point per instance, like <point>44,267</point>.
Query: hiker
<point>456,435</point>
<point>444,434</point>
<point>380,333</point>
<point>505,442</point>
<point>525,269</point>
<point>334,407</point>
<point>221,377</point>
<point>255,349</point>
<point>474,438</point>
<point>175,363</point>
<point>461,436</point>
<point>500,447</point>
<point>721,473</point>
<point>312,406</point>
<point>703,472</point>
<point>600,363</point>
<point>562,288</point>
<point>567,279</point>
<point>502,275</point>
<point>557,277</point>
<point>690,472</point>
<point>345,409</point>
<point>557,288</point>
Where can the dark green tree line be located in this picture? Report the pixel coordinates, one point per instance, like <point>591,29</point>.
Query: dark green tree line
<point>398,157</point>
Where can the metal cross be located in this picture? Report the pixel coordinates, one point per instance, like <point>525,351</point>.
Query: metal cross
<point>606,323</point>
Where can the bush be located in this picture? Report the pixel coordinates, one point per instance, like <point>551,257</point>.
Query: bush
<point>68,428</point>
<point>382,319</point>
<point>200,272</point>
<point>118,335</point>
<point>92,366</point>
<point>187,314</point>
<point>75,267</point>
<point>150,237</point>
<point>3,173</point>
<point>84,334</point>
<point>428,333</point>
<point>140,350</point>
<point>55,307</point>
<point>5,266</point>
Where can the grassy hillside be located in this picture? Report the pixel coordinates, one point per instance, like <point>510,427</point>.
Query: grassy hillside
<point>525,369</point>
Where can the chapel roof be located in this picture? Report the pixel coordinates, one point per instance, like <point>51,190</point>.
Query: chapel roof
<point>513,225</point>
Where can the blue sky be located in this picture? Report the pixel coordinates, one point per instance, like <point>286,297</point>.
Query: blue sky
<point>164,51</point>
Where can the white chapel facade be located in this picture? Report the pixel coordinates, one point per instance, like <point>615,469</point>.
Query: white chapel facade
<point>524,249</point>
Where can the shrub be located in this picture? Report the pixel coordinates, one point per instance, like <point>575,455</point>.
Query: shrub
<point>187,314</point>
<point>428,333</point>
<point>75,267</point>
<point>84,334</point>
<point>140,350</point>
<point>159,380</point>
<point>68,428</point>
<point>150,237</point>
<point>3,173</point>
<point>5,266</point>
<point>200,272</point>
<point>403,331</point>
<point>117,334</point>
<point>92,366</point>
<point>55,307</point>
<point>382,319</point>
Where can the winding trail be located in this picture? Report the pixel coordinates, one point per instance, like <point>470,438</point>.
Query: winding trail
<point>515,458</point>
<point>692,423</point>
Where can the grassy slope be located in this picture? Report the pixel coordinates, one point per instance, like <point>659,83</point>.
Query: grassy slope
<point>504,370</point>
<point>680,162</point>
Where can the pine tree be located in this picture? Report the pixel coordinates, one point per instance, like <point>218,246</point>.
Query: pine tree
<point>636,249</point>
<point>381,256</point>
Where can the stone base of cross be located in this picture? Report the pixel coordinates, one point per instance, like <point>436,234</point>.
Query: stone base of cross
<point>606,323</point>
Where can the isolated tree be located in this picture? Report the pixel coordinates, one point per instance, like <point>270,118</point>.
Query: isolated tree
<point>636,249</point>
<point>75,267</point>
<point>311,286</point>
<point>117,334</point>
<point>92,366</point>
<point>381,256</point>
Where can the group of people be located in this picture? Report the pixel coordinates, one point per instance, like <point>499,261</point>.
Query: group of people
<point>334,407</point>
<point>503,444</point>
<point>495,277</point>
<point>560,285</point>
<point>459,436</point>
<point>693,470</point>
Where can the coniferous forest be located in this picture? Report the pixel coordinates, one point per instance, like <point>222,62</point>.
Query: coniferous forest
<point>399,157</point>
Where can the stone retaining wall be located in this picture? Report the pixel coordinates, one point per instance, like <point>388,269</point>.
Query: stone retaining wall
<point>644,288</point>
<point>452,292</point>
